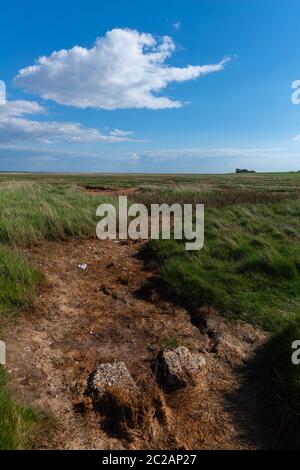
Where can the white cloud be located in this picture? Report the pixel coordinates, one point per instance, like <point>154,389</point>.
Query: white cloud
<point>123,69</point>
<point>20,129</point>
<point>177,25</point>
<point>119,133</point>
<point>14,127</point>
<point>19,108</point>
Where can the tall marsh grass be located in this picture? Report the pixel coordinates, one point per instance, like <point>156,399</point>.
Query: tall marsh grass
<point>249,266</point>
<point>31,212</point>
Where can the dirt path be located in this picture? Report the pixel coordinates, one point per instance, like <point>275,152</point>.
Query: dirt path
<point>103,313</point>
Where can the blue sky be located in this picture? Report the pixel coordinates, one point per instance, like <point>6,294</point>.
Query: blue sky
<point>168,86</point>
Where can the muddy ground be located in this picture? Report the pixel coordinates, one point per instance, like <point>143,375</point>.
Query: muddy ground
<point>112,311</point>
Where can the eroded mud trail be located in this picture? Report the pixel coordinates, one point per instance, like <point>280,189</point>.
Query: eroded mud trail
<point>83,317</point>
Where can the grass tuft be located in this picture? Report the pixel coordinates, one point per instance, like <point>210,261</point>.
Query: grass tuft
<point>18,281</point>
<point>21,427</point>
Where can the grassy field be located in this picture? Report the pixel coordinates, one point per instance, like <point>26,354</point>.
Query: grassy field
<point>249,267</point>
<point>281,182</point>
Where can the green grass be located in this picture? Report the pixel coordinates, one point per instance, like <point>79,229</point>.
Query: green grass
<point>249,266</point>
<point>286,375</point>
<point>20,426</point>
<point>18,281</point>
<point>171,343</point>
<point>212,195</point>
<point>270,182</point>
<point>282,395</point>
<point>31,212</point>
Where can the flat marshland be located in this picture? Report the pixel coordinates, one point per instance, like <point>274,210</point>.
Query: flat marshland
<point>248,272</point>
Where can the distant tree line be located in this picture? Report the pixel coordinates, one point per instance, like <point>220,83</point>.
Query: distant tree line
<point>244,170</point>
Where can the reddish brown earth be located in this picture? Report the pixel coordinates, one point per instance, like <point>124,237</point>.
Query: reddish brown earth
<point>111,311</point>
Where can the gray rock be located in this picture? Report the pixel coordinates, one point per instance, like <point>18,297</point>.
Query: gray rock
<point>179,367</point>
<point>116,397</point>
<point>231,349</point>
<point>110,375</point>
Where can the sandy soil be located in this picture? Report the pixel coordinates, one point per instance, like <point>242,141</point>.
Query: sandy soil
<point>112,311</point>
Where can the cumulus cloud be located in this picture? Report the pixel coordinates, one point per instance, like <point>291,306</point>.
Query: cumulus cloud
<point>15,127</point>
<point>123,69</point>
